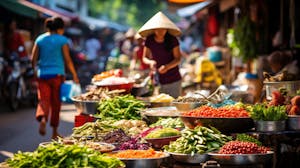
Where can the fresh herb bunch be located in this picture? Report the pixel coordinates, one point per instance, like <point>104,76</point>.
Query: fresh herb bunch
<point>248,138</point>
<point>63,156</point>
<point>268,113</point>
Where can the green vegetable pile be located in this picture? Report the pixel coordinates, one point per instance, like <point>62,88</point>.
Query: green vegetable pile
<point>198,141</point>
<point>63,156</point>
<point>169,123</point>
<point>164,132</point>
<point>247,138</point>
<point>263,112</point>
<point>94,129</point>
<point>120,107</point>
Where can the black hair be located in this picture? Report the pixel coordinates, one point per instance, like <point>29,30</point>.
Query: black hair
<point>49,24</point>
<point>54,23</point>
<point>58,23</point>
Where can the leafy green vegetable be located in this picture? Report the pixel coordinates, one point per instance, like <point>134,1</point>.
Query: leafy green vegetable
<point>242,40</point>
<point>58,155</point>
<point>248,138</point>
<point>268,113</point>
<point>120,107</point>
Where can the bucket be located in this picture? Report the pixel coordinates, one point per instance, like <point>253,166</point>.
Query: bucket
<point>69,89</point>
<point>270,126</point>
<point>290,86</point>
<point>81,119</point>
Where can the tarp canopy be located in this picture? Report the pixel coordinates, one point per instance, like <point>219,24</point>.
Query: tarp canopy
<point>33,10</point>
<point>192,9</point>
<point>15,6</point>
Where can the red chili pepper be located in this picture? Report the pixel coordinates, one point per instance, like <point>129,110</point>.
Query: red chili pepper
<point>222,112</point>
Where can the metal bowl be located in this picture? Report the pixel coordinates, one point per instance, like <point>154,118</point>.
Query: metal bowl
<point>151,115</point>
<point>86,107</point>
<point>186,106</point>
<point>144,162</point>
<point>126,86</point>
<point>242,159</point>
<point>293,122</point>
<point>225,125</point>
<point>160,104</point>
<point>100,146</point>
<point>188,158</point>
<point>290,86</point>
<point>158,143</point>
<point>270,126</point>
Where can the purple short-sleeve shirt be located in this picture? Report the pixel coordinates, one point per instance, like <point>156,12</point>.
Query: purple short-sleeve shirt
<point>162,56</point>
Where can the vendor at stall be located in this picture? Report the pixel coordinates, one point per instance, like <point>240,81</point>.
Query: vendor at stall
<point>162,52</point>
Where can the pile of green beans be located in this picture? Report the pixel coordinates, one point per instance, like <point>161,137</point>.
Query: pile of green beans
<point>120,107</point>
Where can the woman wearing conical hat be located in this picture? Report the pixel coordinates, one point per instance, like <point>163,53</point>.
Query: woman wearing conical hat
<point>162,52</point>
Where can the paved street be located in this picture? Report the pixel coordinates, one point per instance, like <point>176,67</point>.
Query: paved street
<point>19,130</point>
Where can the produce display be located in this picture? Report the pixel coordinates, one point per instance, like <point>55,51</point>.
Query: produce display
<point>97,94</point>
<point>226,102</point>
<point>266,112</point>
<point>199,140</point>
<point>222,112</point>
<point>189,99</point>
<point>162,98</point>
<point>106,74</point>
<point>281,76</point>
<point>113,80</point>
<point>120,107</point>
<point>127,154</point>
<point>97,130</point>
<point>134,144</point>
<point>163,132</point>
<point>60,155</point>
<point>295,106</point>
<point>240,147</point>
<point>120,130</point>
<point>116,137</point>
<point>169,123</point>
<point>99,146</point>
<point>248,138</point>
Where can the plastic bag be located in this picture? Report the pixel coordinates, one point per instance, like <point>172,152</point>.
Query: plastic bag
<point>68,90</point>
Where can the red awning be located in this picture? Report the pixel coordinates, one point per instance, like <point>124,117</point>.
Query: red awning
<point>66,17</point>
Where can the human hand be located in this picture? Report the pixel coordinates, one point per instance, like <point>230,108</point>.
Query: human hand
<point>75,79</point>
<point>162,69</point>
<point>152,64</point>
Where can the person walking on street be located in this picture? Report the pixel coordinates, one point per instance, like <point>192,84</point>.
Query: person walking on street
<point>162,52</point>
<point>50,53</point>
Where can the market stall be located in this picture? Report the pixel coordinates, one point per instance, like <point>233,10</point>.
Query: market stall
<point>195,130</point>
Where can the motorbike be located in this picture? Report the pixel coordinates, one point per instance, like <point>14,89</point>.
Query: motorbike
<point>20,85</point>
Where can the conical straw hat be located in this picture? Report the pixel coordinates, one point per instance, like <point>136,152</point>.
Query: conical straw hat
<point>159,20</point>
<point>130,33</point>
